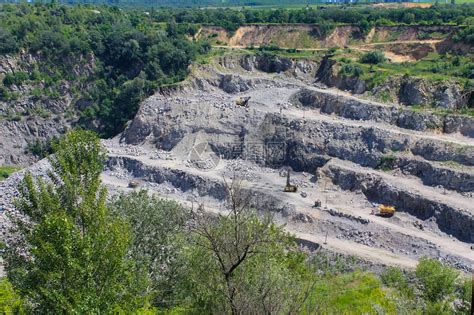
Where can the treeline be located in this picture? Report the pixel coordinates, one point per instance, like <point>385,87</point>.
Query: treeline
<point>74,250</point>
<point>182,3</point>
<point>127,55</point>
<point>231,19</point>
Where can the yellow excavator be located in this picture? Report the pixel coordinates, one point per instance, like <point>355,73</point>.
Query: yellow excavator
<point>386,211</point>
<point>289,187</point>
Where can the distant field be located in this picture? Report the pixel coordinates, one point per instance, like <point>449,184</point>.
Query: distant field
<point>389,4</point>
<point>312,4</point>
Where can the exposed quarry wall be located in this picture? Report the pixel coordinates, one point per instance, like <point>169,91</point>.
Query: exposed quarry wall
<point>311,36</point>
<point>30,117</point>
<point>448,218</point>
<point>357,109</point>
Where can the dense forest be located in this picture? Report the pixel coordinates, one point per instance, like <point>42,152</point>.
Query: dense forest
<point>137,254</point>
<point>364,16</point>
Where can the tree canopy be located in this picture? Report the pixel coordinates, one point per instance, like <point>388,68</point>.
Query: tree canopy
<point>72,256</point>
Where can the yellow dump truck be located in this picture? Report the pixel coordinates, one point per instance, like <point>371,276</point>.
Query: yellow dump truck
<point>386,211</point>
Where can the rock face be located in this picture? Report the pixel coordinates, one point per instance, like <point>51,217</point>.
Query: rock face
<point>403,90</point>
<point>29,118</point>
<point>357,109</point>
<point>233,84</point>
<point>449,219</point>
<point>328,75</point>
<point>412,93</point>
<point>273,64</point>
<point>312,36</point>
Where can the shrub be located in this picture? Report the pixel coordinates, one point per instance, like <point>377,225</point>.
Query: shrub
<point>16,78</point>
<point>438,281</point>
<point>387,162</point>
<point>10,300</point>
<point>4,94</point>
<point>373,57</point>
<point>8,42</point>
<point>349,69</point>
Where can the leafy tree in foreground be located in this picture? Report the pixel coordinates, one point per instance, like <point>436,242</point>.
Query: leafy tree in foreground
<point>241,263</point>
<point>72,257</point>
<point>157,227</point>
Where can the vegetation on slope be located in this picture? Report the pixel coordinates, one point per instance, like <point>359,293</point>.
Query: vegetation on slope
<point>129,53</point>
<point>7,170</point>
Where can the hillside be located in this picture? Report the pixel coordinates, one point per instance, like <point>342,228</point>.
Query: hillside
<point>53,78</point>
<point>413,41</point>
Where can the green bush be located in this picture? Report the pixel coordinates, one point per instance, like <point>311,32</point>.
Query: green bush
<point>373,57</point>
<point>6,171</point>
<point>10,300</point>
<point>16,78</point>
<point>349,70</point>
<point>438,281</point>
<point>387,162</point>
<point>4,93</point>
<point>395,278</point>
<point>8,42</point>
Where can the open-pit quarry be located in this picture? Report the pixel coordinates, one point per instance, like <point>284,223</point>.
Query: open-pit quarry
<point>348,153</point>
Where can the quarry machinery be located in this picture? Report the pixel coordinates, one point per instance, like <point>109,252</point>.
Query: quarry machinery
<point>386,211</point>
<point>289,187</point>
<point>243,101</point>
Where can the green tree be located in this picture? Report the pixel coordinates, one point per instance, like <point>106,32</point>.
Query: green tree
<point>465,297</point>
<point>437,283</point>
<point>364,26</point>
<point>408,18</point>
<point>72,257</point>
<point>157,227</point>
<point>8,42</point>
<point>241,263</point>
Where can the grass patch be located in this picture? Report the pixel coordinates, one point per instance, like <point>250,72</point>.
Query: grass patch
<point>7,170</point>
<point>464,111</point>
<point>350,293</point>
<point>453,164</point>
<point>220,52</point>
